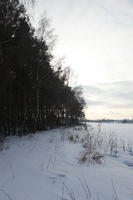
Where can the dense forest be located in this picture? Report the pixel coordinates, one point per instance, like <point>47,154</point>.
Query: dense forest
<point>34,94</point>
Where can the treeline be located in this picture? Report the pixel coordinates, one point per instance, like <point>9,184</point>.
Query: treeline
<point>33,94</point>
<point>124,121</point>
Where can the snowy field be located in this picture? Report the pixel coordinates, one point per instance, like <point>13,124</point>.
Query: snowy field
<point>124,131</point>
<point>69,164</point>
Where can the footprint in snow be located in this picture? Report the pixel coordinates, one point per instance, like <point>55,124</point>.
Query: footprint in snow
<point>128,163</point>
<point>61,175</point>
<point>54,179</point>
<point>131,154</point>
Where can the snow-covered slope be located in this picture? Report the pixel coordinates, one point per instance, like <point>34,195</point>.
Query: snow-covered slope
<point>46,166</point>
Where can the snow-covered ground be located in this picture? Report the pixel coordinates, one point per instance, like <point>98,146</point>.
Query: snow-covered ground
<point>124,131</point>
<point>47,165</point>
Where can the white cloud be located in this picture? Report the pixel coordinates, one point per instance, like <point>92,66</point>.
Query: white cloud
<point>108,100</point>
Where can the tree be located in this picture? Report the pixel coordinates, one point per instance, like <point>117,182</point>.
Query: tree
<point>34,95</point>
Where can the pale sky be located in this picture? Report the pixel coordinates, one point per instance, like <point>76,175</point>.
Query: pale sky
<point>96,38</point>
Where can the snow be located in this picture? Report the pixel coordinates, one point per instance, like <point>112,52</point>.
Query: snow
<point>123,130</point>
<point>46,166</point>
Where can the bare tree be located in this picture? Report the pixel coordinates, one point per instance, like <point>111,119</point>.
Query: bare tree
<point>70,76</point>
<point>45,32</point>
<point>28,2</point>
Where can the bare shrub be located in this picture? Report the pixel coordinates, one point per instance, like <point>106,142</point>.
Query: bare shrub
<point>113,145</point>
<point>93,144</point>
<point>97,157</point>
<point>83,156</point>
<point>129,148</point>
<point>70,137</point>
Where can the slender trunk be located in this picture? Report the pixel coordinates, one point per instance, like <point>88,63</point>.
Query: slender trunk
<point>37,100</point>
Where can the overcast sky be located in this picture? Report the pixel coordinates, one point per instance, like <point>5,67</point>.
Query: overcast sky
<point>96,37</point>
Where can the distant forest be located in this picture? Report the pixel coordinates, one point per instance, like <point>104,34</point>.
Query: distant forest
<point>34,94</point>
